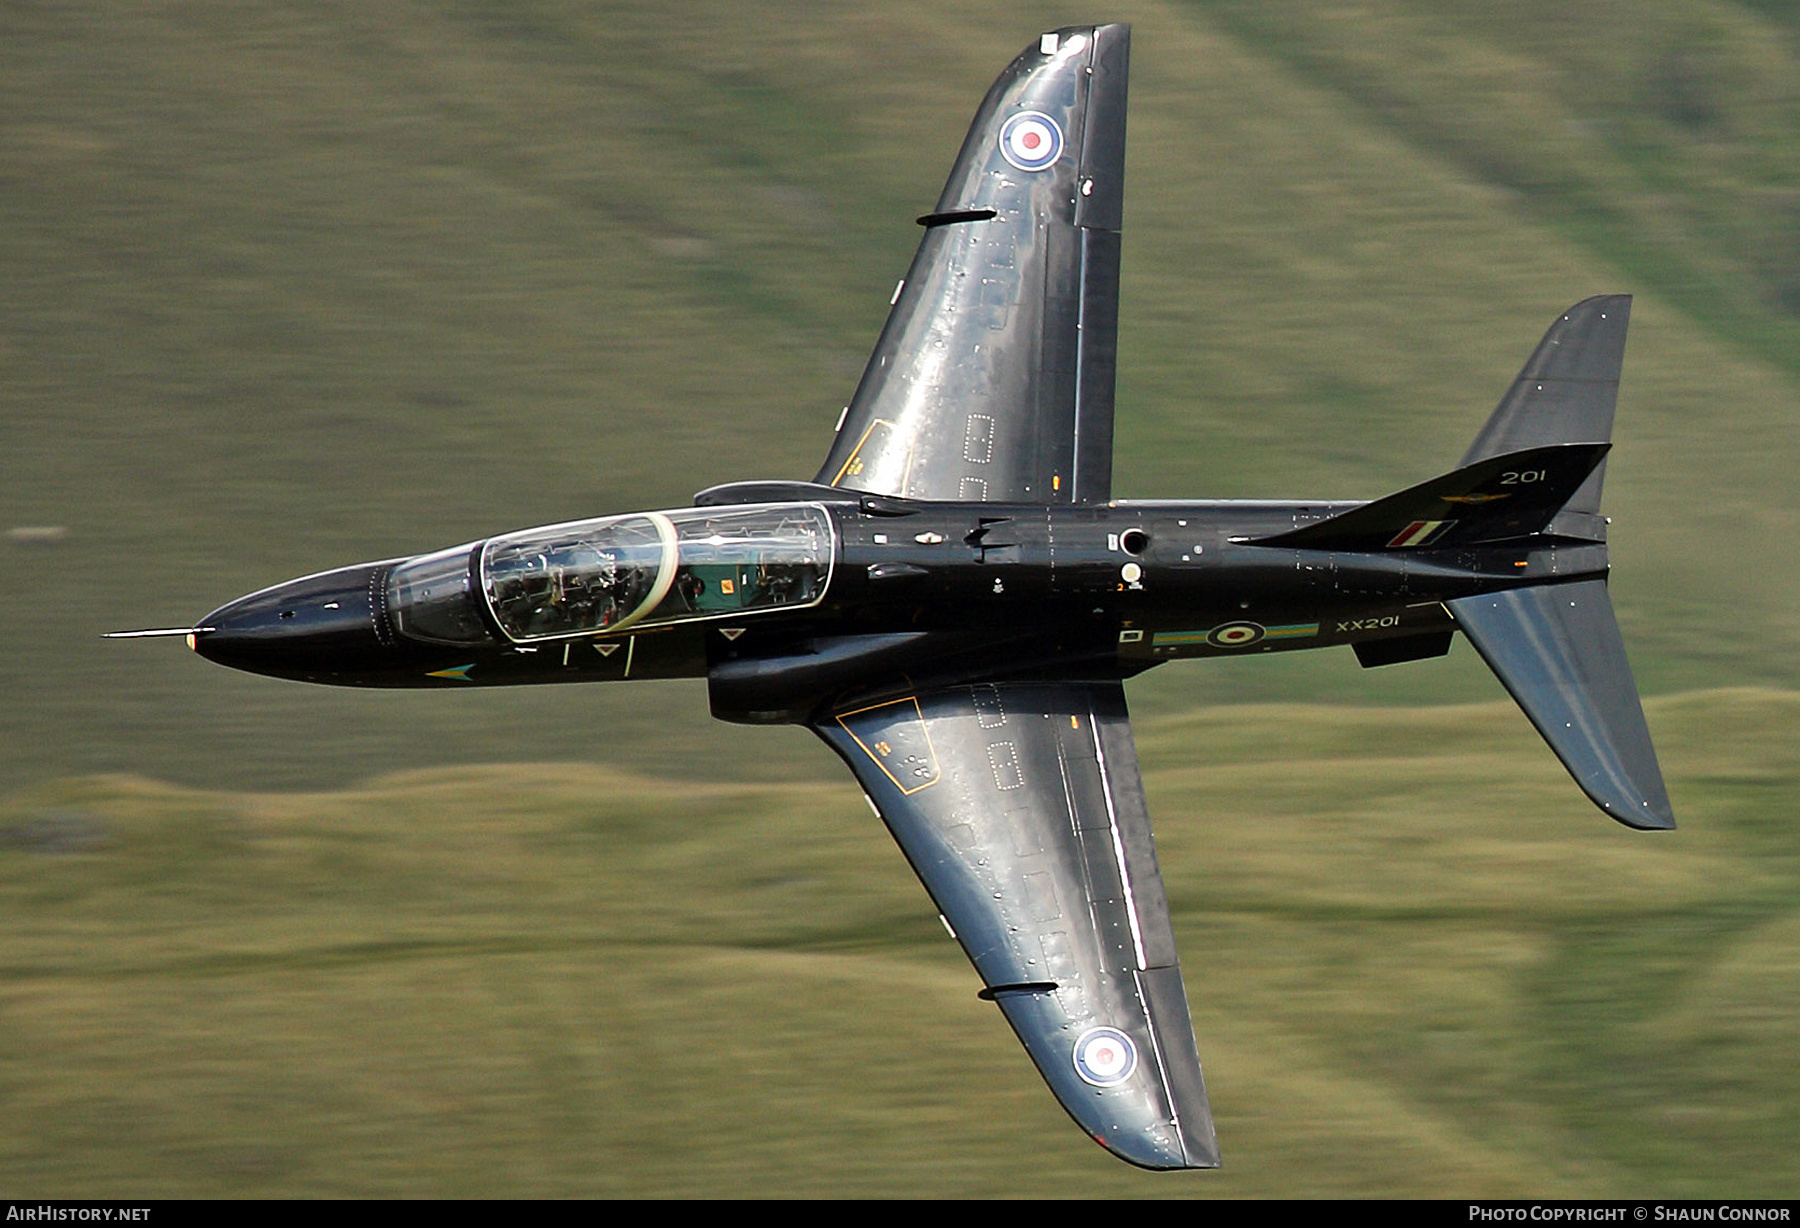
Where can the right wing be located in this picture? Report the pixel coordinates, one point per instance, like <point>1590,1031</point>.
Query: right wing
<point>993,378</point>
<point>1020,808</point>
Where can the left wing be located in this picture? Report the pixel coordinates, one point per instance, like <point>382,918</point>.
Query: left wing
<point>1020,807</point>
<point>993,378</point>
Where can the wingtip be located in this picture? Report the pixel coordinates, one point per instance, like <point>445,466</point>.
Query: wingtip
<point>1649,819</point>
<point>1633,809</point>
<point>1158,1156</point>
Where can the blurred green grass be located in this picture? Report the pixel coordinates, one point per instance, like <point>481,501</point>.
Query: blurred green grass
<point>1420,965</point>
<point>293,285</point>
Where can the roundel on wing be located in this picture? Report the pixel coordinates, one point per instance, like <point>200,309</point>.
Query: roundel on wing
<point>1105,1056</point>
<point>1031,140</point>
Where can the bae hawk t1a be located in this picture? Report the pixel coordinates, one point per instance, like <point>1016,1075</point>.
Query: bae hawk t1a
<point>954,602</point>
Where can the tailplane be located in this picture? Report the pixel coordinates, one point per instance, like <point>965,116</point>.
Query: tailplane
<point>1566,393</point>
<point>1558,650</point>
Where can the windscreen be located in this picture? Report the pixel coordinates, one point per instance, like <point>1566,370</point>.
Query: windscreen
<point>429,598</point>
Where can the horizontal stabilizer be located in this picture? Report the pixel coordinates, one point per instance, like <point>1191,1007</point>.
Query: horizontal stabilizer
<point>1557,649</point>
<point>1503,497</point>
<point>1566,391</point>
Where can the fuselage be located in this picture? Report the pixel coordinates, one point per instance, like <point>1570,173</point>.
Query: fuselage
<point>782,602</point>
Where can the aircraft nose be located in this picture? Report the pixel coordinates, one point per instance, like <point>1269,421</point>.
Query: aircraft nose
<point>317,627</point>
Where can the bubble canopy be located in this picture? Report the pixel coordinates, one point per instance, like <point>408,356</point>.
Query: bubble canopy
<point>598,577</point>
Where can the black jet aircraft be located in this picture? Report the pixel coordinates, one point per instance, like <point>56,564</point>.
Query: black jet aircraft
<point>954,602</point>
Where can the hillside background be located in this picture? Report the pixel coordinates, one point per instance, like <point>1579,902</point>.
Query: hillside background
<point>293,285</point>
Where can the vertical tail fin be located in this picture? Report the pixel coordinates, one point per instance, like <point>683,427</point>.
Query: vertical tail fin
<point>1506,497</point>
